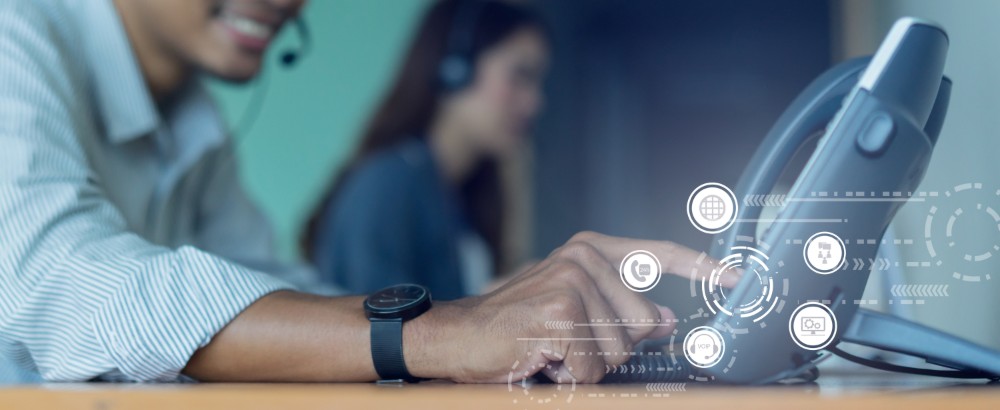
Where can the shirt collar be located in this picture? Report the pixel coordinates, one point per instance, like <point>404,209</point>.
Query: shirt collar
<point>194,121</point>
<point>123,100</point>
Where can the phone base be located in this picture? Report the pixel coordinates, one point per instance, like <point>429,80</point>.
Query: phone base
<point>895,334</point>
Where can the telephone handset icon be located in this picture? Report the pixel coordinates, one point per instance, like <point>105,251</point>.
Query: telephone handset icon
<point>640,271</point>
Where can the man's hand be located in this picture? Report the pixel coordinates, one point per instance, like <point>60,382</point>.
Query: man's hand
<point>478,339</point>
<point>289,336</point>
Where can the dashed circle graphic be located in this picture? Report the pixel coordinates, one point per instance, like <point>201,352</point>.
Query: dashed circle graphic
<point>754,262</point>
<point>519,384</point>
<point>945,248</point>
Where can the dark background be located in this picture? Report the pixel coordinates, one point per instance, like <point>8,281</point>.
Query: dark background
<point>649,99</point>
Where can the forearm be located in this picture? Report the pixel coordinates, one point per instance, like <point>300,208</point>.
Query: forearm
<point>291,337</point>
<point>287,336</point>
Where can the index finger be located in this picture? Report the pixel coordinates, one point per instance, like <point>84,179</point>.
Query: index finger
<point>674,259</point>
<point>600,256</point>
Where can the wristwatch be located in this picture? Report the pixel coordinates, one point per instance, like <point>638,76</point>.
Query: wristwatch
<point>387,309</point>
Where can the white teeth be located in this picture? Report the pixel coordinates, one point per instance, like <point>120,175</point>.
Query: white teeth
<point>249,27</point>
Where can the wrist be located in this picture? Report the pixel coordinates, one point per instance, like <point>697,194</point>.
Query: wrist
<point>429,342</point>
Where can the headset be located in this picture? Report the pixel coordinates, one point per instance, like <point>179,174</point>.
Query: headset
<point>289,59</point>
<point>292,55</point>
<point>457,68</point>
<point>693,350</point>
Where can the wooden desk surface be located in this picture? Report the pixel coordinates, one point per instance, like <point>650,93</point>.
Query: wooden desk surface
<point>834,391</point>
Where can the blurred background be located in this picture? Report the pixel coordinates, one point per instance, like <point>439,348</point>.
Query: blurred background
<point>645,101</point>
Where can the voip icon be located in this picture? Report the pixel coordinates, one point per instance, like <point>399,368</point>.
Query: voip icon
<point>704,346</point>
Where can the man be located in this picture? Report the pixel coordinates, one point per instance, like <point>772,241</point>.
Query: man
<point>126,241</point>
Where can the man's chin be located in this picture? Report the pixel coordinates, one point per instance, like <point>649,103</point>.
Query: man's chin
<point>237,74</point>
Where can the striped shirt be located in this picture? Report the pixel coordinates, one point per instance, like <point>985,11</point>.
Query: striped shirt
<point>125,240</point>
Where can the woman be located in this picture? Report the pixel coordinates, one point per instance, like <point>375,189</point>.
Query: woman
<point>420,201</point>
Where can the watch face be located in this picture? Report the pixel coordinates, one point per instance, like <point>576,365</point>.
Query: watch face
<point>396,298</point>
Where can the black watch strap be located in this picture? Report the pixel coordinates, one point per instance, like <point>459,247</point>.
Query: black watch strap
<point>387,350</point>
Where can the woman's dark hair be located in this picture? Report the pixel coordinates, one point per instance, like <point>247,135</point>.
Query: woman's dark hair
<point>413,101</point>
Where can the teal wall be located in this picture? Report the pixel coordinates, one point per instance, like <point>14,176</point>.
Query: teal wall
<point>312,113</point>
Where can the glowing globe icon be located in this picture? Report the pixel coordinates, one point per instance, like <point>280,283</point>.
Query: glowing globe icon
<point>712,208</point>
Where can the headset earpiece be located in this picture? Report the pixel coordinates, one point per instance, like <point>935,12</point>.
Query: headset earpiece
<point>454,73</point>
<point>457,68</point>
<point>291,56</point>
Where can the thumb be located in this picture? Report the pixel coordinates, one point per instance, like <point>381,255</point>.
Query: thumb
<point>666,325</point>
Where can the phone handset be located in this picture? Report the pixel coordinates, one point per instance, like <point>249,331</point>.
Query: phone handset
<point>808,114</point>
<point>638,274</point>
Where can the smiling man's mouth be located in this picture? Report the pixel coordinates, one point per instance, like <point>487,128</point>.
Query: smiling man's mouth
<point>249,33</point>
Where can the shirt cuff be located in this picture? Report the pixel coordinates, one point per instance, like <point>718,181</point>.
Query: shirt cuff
<point>171,307</point>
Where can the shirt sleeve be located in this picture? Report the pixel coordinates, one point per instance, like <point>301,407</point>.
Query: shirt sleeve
<point>232,226</point>
<point>81,297</point>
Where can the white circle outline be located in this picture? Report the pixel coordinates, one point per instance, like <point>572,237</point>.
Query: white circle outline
<point>699,330</point>
<point>791,325</point>
<point>843,254</point>
<point>659,271</point>
<point>736,207</point>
